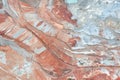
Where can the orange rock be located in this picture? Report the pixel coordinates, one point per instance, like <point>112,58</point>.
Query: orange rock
<point>53,65</point>
<point>118,78</point>
<point>2,17</point>
<point>72,41</point>
<point>60,11</point>
<point>38,73</point>
<point>100,77</point>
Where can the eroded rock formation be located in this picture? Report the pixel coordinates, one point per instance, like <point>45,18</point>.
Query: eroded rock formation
<point>60,40</point>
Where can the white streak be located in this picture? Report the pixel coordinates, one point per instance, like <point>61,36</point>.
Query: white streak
<point>84,52</point>
<point>40,50</point>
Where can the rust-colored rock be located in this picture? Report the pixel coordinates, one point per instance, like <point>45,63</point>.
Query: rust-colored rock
<point>40,41</point>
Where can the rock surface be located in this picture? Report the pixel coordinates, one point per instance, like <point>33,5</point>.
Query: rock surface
<point>60,40</point>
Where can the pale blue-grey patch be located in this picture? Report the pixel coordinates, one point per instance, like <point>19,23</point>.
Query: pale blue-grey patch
<point>18,33</point>
<point>71,1</point>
